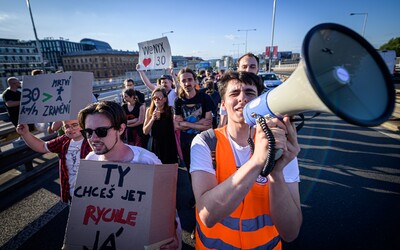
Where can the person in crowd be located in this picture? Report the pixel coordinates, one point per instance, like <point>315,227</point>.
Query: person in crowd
<point>221,72</point>
<point>159,122</point>
<point>70,147</point>
<point>12,99</point>
<point>249,63</point>
<point>193,114</point>
<point>103,126</point>
<point>201,75</point>
<point>209,89</point>
<point>130,84</point>
<point>237,208</point>
<point>172,86</point>
<point>193,111</point>
<point>169,82</point>
<point>36,72</point>
<point>135,112</point>
<point>209,76</point>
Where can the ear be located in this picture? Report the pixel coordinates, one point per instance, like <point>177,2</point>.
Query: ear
<point>122,129</point>
<point>223,104</point>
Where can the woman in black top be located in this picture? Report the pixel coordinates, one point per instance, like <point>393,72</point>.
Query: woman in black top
<point>135,115</point>
<point>159,122</point>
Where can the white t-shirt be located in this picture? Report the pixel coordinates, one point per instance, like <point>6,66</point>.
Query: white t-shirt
<point>200,159</point>
<point>72,160</point>
<point>140,155</point>
<point>171,97</point>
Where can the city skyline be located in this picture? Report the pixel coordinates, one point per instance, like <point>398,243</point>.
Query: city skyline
<point>208,29</point>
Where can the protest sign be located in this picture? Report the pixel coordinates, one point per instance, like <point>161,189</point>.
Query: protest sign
<point>54,97</point>
<point>155,54</point>
<point>122,206</point>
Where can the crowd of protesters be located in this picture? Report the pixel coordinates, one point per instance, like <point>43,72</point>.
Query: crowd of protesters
<point>182,107</point>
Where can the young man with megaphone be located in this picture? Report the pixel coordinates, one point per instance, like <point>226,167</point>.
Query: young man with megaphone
<point>236,207</point>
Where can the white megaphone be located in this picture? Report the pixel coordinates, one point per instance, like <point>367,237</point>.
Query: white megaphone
<point>340,73</point>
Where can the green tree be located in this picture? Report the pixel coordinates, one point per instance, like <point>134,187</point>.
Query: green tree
<point>393,44</point>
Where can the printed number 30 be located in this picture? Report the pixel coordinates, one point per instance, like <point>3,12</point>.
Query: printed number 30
<point>160,60</point>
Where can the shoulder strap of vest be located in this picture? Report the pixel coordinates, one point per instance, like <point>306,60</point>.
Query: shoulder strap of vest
<point>211,140</point>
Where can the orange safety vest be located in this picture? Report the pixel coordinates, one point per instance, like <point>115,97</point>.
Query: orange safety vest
<point>250,225</point>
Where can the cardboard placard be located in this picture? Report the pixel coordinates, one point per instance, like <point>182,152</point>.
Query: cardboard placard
<point>55,97</point>
<point>122,206</point>
<point>155,54</point>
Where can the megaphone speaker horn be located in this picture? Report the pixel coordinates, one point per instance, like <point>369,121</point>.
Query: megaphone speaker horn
<point>340,73</point>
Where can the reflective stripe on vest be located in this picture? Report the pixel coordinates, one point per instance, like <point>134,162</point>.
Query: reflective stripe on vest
<point>249,226</point>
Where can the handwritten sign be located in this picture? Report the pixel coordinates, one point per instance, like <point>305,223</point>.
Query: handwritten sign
<point>155,54</point>
<point>122,206</point>
<point>54,97</point>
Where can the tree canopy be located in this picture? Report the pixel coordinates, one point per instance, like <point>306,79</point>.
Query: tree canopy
<point>393,44</point>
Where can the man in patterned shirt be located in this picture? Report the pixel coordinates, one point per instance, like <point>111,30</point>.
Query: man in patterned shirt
<point>71,147</point>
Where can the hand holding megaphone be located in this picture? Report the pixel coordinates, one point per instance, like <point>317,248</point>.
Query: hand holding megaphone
<point>280,138</point>
<point>340,73</point>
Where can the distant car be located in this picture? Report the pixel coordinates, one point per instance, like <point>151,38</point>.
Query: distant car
<point>270,79</point>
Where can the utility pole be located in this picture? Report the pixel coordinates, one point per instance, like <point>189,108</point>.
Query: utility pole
<point>36,37</point>
<point>272,36</point>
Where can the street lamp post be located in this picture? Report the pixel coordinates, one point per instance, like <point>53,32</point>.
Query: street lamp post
<point>36,37</point>
<point>247,30</point>
<point>238,44</point>
<point>162,34</point>
<point>365,20</point>
<point>272,36</point>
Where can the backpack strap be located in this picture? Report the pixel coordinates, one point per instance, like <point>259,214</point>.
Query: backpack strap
<point>211,140</point>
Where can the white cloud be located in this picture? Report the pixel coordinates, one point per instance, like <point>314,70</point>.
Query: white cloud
<point>230,37</point>
<point>5,17</point>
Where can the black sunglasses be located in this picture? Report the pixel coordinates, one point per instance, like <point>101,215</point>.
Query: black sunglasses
<point>100,132</point>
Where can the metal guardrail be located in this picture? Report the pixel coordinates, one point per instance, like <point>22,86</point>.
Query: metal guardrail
<point>23,156</point>
<point>4,117</point>
<point>105,87</point>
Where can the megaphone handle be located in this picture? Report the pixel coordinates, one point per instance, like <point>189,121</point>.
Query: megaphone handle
<point>270,163</point>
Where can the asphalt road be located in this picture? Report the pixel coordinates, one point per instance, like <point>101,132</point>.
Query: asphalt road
<point>350,194</point>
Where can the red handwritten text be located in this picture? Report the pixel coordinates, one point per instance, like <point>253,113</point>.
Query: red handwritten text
<point>97,214</point>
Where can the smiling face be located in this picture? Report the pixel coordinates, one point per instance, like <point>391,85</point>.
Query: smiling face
<point>130,99</point>
<point>237,95</point>
<point>72,129</point>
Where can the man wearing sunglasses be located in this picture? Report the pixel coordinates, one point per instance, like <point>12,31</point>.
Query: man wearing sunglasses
<point>104,124</point>
<point>71,147</point>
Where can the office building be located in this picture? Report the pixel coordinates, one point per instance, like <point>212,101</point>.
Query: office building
<point>104,64</point>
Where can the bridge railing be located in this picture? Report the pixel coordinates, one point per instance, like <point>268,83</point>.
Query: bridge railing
<point>285,68</point>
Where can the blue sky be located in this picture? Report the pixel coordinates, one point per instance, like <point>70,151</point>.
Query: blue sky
<point>207,29</point>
